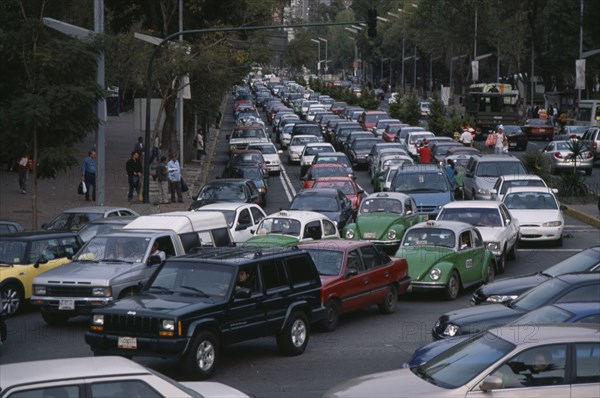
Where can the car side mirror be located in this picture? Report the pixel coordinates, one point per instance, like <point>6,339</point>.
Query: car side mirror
<point>227,137</point>
<point>360,191</point>
<point>493,191</point>
<point>242,293</point>
<point>469,174</point>
<point>491,383</point>
<point>40,260</point>
<point>352,272</point>
<point>563,207</point>
<point>153,260</point>
<point>241,227</point>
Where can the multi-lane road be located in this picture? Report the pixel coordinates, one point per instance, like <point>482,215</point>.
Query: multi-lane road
<point>365,341</point>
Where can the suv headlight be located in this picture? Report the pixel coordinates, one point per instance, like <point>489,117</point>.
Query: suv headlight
<point>499,298</point>
<point>168,325</point>
<point>451,330</point>
<point>39,290</point>
<point>101,292</point>
<point>98,320</point>
<point>493,246</point>
<point>349,234</point>
<point>391,234</point>
<point>435,274</point>
<point>552,224</point>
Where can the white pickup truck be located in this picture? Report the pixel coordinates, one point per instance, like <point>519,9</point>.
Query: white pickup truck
<point>118,263</point>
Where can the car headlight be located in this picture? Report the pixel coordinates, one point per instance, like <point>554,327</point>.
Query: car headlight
<point>391,234</point>
<point>168,325</point>
<point>483,191</point>
<point>102,291</point>
<point>350,234</point>
<point>435,274</point>
<point>39,290</point>
<point>493,246</point>
<point>552,224</point>
<point>500,298</point>
<point>451,330</point>
<point>98,320</point>
<point>262,189</point>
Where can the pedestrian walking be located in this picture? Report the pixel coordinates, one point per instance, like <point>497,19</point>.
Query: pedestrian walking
<point>500,138</point>
<point>25,164</point>
<point>88,175</point>
<point>199,143</point>
<point>161,177</point>
<point>174,177</point>
<point>134,175</point>
<point>155,150</point>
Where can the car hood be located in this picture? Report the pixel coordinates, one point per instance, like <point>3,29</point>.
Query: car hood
<point>395,383</point>
<point>481,317</point>
<point>422,259</point>
<point>98,274</point>
<point>431,198</point>
<point>491,234</point>
<point>214,389</point>
<point>534,216</point>
<point>271,240</point>
<point>202,202</point>
<point>510,286</point>
<point>432,349</point>
<point>379,223</point>
<point>151,304</point>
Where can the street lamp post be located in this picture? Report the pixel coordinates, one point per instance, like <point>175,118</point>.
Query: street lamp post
<point>318,57</point>
<point>326,68</point>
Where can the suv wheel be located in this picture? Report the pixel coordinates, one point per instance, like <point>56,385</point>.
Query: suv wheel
<point>491,274</point>
<point>501,263</point>
<point>54,318</point>
<point>332,317</point>
<point>203,355</point>
<point>293,339</point>
<point>512,254</point>
<point>391,300</point>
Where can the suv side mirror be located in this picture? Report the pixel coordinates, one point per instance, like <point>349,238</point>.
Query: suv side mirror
<point>40,260</point>
<point>227,137</point>
<point>153,260</point>
<point>242,293</point>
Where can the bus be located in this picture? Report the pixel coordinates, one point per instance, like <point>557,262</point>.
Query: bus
<point>491,104</point>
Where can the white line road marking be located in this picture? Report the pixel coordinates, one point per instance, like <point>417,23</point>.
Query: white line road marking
<point>549,250</point>
<point>287,184</point>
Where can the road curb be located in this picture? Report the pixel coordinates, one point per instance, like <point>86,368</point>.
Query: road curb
<point>583,217</point>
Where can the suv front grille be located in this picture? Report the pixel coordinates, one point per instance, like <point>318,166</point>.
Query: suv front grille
<point>68,291</point>
<point>426,209</point>
<point>131,325</point>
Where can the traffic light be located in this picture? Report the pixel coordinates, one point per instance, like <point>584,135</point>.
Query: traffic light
<point>372,22</point>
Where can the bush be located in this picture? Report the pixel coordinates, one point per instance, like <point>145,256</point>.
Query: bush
<point>535,163</point>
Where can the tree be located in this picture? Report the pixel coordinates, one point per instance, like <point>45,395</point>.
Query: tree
<point>47,104</point>
<point>410,111</point>
<point>437,120</point>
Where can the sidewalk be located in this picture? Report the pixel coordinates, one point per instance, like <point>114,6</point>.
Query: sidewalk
<point>61,193</point>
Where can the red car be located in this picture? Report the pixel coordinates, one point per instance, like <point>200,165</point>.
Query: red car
<point>338,107</point>
<point>391,131</point>
<point>538,128</point>
<point>317,171</point>
<point>356,274</point>
<point>345,184</point>
<point>368,119</point>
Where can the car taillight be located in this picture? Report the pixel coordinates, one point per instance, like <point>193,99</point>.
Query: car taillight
<point>589,154</point>
<point>594,145</point>
<point>558,155</point>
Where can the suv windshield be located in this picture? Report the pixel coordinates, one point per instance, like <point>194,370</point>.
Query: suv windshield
<point>420,182</point>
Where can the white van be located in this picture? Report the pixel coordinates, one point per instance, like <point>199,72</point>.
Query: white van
<point>588,113</point>
<point>194,229</point>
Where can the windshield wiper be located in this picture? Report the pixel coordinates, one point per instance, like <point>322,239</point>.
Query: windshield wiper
<point>162,289</point>
<point>200,292</point>
<point>419,371</point>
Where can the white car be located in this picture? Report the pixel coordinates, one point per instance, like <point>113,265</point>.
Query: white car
<point>296,146</point>
<point>241,136</point>
<point>310,150</point>
<point>285,135</point>
<point>242,218</point>
<point>538,211</point>
<point>498,228</point>
<point>106,376</point>
<point>376,160</point>
<point>288,227</point>
<point>515,180</point>
<point>270,154</point>
<point>414,139</point>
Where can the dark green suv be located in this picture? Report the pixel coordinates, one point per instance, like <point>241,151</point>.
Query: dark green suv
<point>198,303</point>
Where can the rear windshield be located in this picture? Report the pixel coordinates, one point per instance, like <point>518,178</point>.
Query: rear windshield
<point>497,169</point>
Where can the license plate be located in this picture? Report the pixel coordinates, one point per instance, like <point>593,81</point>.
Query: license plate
<point>66,305</point>
<point>128,343</point>
<point>369,235</point>
<point>512,144</point>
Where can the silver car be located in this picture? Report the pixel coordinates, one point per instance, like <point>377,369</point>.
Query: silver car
<point>510,361</point>
<point>108,376</point>
<point>560,156</point>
